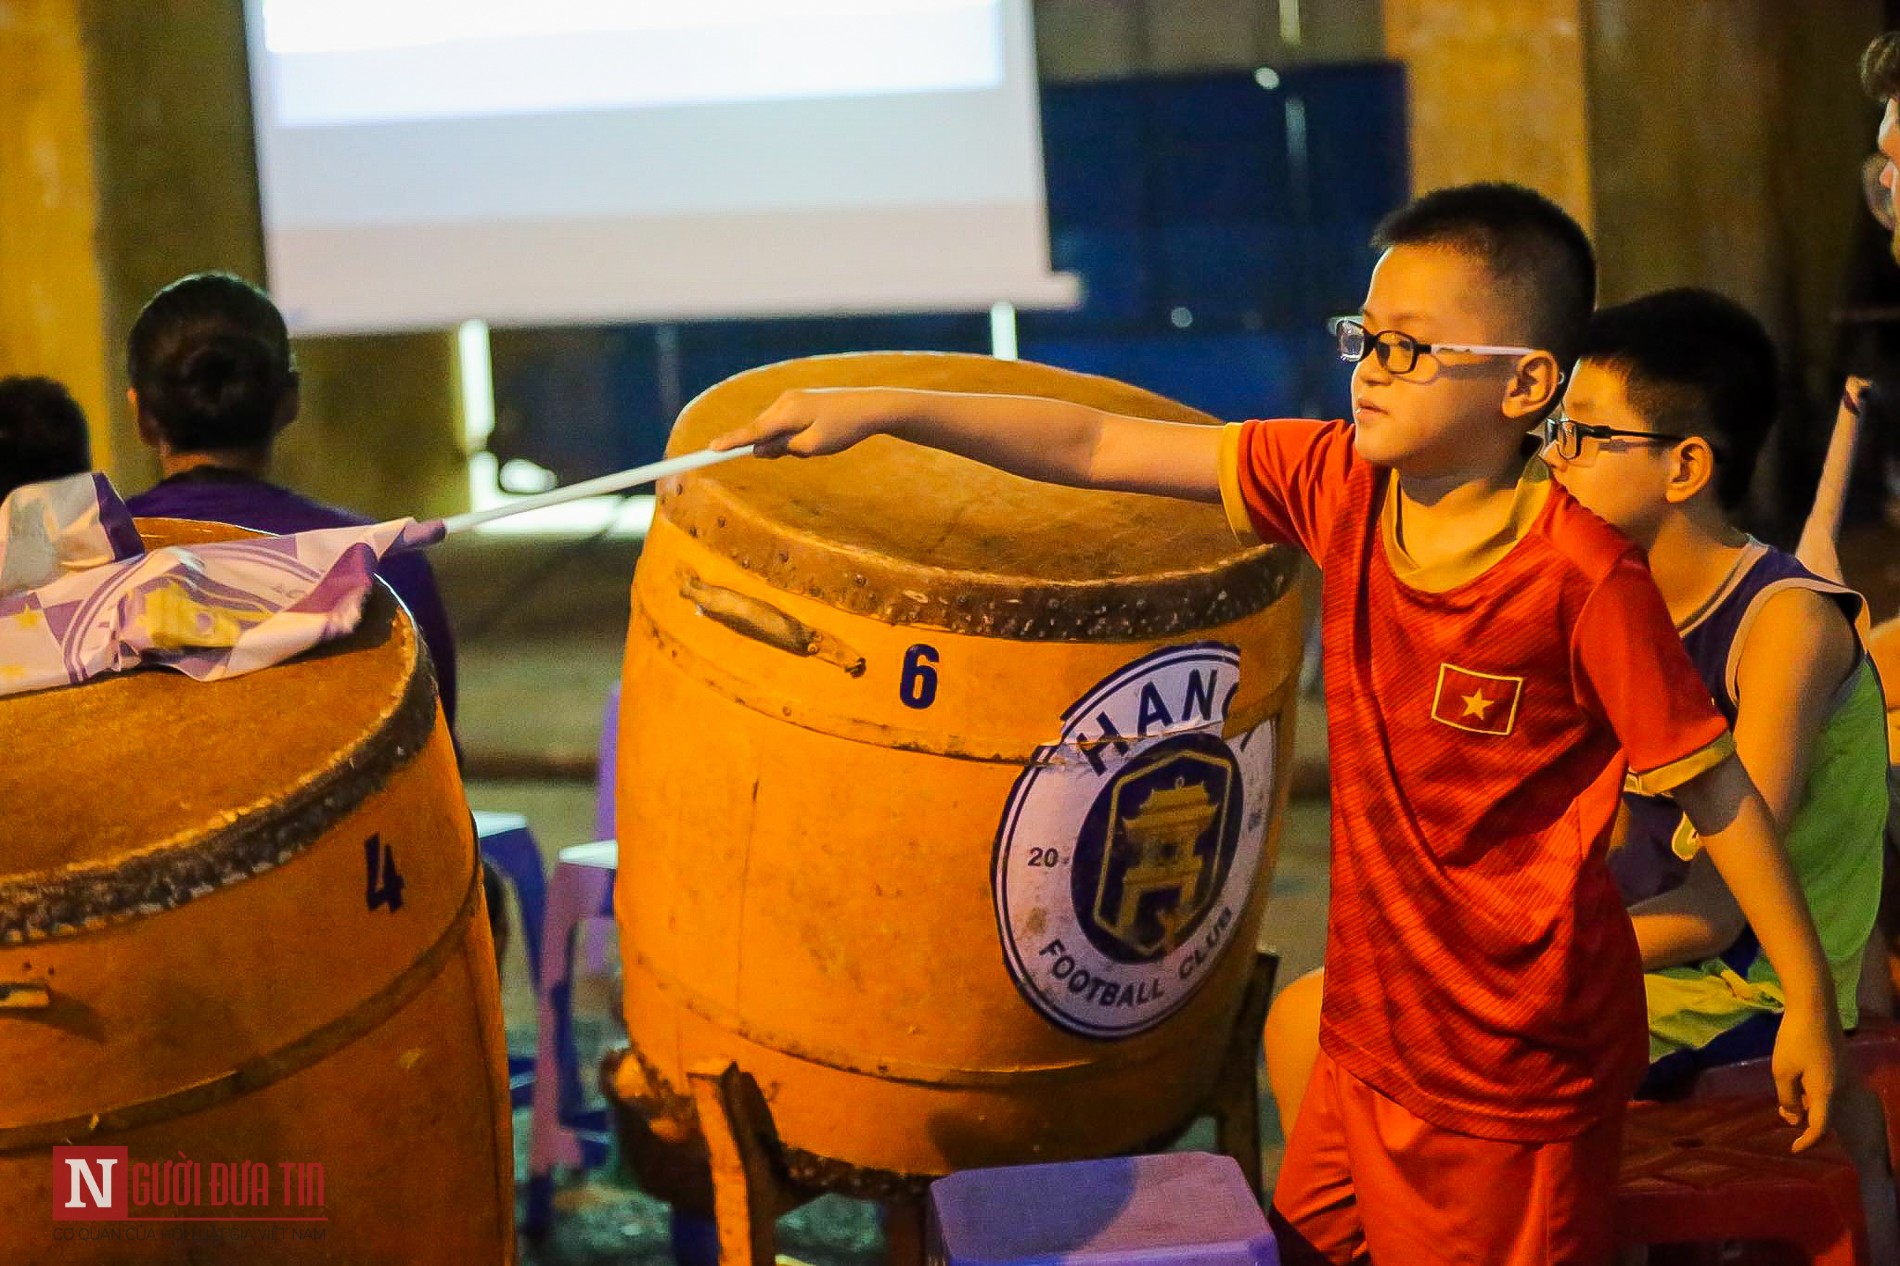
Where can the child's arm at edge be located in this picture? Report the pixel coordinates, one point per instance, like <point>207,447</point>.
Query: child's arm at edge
<point>1739,835</point>
<point>1696,919</point>
<point>1054,441</point>
<point>1799,651</point>
<point>1817,548</point>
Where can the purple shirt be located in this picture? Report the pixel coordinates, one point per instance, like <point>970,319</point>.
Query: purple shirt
<point>1647,865</point>
<point>214,494</point>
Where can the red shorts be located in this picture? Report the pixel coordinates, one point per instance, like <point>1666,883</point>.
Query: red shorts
<point>1363,1178</point>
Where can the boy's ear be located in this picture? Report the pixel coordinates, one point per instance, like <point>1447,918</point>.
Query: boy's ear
<point>141,420</point>
<point>1691,469</point>
<point>1535,384</point>
<point>289,406</point>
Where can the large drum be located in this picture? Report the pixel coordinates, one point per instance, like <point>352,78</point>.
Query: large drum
<point>248,1002</point>
<point>947,800</point>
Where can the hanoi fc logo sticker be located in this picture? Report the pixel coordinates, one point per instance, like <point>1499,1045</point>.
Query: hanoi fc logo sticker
<point>1128,849</point>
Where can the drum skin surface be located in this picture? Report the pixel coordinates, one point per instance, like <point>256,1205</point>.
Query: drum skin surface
<point>948,801</point>
<point>242,943</point>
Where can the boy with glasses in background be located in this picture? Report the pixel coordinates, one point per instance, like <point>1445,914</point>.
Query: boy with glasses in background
<point>1659,435</point>
<point>1495,657</point>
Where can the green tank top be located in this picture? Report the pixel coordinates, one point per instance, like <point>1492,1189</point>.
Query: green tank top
<point>1834,839</point>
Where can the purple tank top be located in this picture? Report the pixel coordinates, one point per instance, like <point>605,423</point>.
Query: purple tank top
<point>1646,865</point>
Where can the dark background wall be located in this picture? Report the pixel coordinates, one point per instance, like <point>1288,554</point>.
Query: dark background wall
<point>1705,141</point>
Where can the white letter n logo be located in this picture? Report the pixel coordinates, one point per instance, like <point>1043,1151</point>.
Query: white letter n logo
<point>81,1170</point>
<point>86,1186</point>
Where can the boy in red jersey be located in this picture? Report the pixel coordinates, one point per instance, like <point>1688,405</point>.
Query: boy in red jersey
<point>1492,652</point>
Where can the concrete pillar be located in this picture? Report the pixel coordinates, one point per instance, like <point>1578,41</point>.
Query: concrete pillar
<point>1703,142</point>
<point>170,98</point>
<point>1498,92</point>
<point>1727,134</point>
<point>49,274</point>
<point>381,426</point>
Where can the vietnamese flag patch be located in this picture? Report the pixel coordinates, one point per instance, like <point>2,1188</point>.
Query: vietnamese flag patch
<point>1483,703</point>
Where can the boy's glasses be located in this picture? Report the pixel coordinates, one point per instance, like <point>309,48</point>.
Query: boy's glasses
<point>1568,435</point>
<point>1399,351</point>
<point>1879,197</point>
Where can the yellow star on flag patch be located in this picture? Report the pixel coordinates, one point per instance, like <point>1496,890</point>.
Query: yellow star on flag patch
<point>1482,703</point>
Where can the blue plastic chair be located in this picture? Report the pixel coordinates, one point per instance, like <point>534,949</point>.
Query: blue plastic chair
<point>506,841</point>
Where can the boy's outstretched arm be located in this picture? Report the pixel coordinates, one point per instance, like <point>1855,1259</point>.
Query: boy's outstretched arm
<point>1740,838</point>
<point>1055,441</point>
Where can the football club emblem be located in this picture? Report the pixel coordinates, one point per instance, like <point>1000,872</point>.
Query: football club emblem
<point>1482,703</point>
<point>1128,849</point>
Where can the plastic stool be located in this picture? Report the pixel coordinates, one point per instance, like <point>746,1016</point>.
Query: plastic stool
<point>695,1238</point>
<point>1719,1169</point>
<point>563,1132</point>
<point>604,758</point>
<point>1873,1051</point>
<point>1124,1211</point>
<point>506,841</point>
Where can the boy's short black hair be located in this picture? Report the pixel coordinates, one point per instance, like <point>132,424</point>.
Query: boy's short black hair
<point>1880,67</point>
<point>211,361</point>
<point>1539,258</point>
<point>42,433</point>
<point>1694,363</point>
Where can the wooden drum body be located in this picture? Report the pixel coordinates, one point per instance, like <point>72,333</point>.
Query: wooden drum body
<point>242,950</point>
<point>947,801</point>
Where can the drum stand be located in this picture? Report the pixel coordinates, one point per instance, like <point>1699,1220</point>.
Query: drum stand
<point>750,1188</point>
<point>1234,1102</point>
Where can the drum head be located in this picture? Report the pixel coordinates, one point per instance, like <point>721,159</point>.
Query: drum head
<point>172,784</point>
<point>917,536</point>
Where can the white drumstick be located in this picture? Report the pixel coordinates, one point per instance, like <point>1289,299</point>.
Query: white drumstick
<point>619,482</point>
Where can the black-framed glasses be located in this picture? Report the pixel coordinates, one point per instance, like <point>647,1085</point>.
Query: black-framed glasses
<point>1873,187</point>
<point>1568,435</point>
<point>1399,351</point>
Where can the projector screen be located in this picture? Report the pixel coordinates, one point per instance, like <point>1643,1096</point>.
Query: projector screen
<point>533,162</point>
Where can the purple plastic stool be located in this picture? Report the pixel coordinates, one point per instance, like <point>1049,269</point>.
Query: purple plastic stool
<point>1177,1207</point>
<point>604,759</point>
<point>564,1132</point>
<point>695,1239</point>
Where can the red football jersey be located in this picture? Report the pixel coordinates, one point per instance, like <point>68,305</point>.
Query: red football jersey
<point>1480,967</point>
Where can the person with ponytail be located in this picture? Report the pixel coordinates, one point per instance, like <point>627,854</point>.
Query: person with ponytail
<point>213,382</point>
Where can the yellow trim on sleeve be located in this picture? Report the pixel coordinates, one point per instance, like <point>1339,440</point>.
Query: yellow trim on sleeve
<point>1231,499</point>
<point>1656,782</point>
